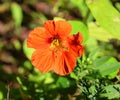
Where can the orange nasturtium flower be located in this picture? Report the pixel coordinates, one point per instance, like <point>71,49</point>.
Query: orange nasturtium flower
<point>55,48</point>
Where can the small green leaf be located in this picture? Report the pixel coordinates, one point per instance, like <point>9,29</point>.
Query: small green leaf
<point>78,26</point>
<point>106,15</point>
<point>74,76</point>
<point>28,65</point>
<point>1,95</point>
<point>38,77</point>
<point>17,44</point>
<point>112,92</point>
<point>48,79</point>
<point>3,91</point>
<point>17,14</point>
<point>113,74</point>
<point>28,51</point>
<point>93,90</point>
<point>63,82</point>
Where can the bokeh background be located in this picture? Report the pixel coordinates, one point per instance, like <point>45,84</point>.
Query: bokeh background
<point>19,80</point>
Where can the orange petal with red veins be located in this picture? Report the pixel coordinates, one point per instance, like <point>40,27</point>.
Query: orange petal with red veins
<point>50,27</point>
<point>78,37</point>
<point>75,44</point>
<point>60,67</point>
<point>80,50</point>
<point>65,63</point>
<point>38,38</point>
<point>43,59</point>
<point>63,28</point>
<point>75,39</point>
<point>70,59</point>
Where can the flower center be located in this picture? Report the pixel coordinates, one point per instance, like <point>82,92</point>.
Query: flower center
<point>55,43</point>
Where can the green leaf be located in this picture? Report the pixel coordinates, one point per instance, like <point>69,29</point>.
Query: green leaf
<point>100,61</point>
<point>1,95</point>
<point>94,54</point>
<point>98,32</point>
<point>112,91</point>
<point>91,44</point>
<point>74,76</point>
<point>117,4</point>
<point>93,90</point>
<point>28,65</point>
<point>28,51</point>
<point>106,15</point>
<point>48,79</point>
<point>17,14</point>
<point>81,5</point>
<point>17,44</point>
<point>63,82</point>
<point>3,91</point>
<point>78,26</point>
<point>38,77</point>
<point>107,66</point>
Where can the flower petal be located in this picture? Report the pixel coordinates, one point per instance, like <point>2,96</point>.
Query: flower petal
<point>76,39</point>
<point>58,28</point>
<point>38,38</point>
<point>75,44</point>
<point>80,50</point>
<point>43,59</point>
<point>65,63</point>
<point>50,27</point>
<point>63,28</point>
<point>59,67</point>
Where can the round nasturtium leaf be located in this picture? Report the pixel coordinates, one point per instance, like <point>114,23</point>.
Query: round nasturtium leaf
<point>78,26</point>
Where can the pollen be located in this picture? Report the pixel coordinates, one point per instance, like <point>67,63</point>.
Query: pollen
<point>55,43</point>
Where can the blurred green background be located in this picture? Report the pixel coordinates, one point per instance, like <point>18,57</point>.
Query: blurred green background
<point>97,74</point>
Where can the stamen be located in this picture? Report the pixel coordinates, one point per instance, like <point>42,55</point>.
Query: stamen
<point>55,43</point>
